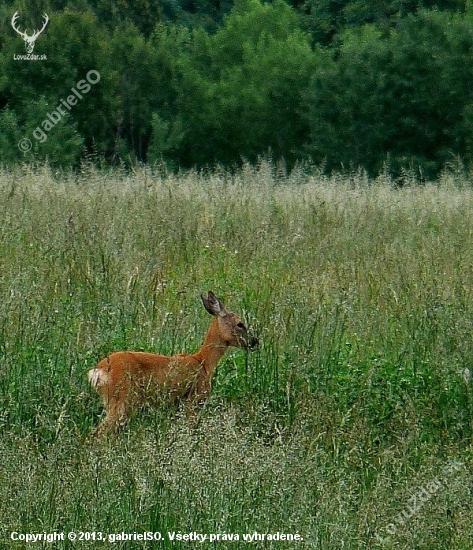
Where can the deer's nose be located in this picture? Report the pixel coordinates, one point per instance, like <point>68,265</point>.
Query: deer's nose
<point>253,343</point>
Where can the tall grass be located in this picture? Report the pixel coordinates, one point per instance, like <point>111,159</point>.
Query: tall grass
<point>361,295</point>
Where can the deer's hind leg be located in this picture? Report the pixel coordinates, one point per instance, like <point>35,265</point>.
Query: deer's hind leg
<point>117,407</point>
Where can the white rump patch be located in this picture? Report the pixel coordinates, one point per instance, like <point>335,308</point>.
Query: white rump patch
<point>95,377</point>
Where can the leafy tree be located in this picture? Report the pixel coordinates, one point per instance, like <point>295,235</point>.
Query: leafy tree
<point>327,18</point>
<point>54,137</point>
<point>74,45</point>
<point>192,14</point>
<point>401,97</point>
<point>146,14</point>
<point>166,139</point>
<point>145,73</point>
<point>242,88</point>
<point>10,136</point>
<point>141,14</point>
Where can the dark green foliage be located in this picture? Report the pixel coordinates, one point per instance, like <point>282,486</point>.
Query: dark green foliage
<point>242,88</point>
<point>74,45</point>
<point>327,18</point>
<point>348,83</point>
<point>402,98</point>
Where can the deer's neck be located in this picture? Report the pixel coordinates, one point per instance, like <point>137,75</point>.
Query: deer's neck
<point>212,349</point>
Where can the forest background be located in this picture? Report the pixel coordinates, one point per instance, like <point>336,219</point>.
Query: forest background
<point>382,85</point>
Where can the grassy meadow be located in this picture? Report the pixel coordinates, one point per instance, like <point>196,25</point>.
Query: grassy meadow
<point>352,423</point>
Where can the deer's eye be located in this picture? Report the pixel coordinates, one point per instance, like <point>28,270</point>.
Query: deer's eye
<point>241,325</point>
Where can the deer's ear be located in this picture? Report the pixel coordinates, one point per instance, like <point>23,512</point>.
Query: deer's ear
<point>213,305</point>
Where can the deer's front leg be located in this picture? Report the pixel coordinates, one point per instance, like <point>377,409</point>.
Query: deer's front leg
<point>197,396</point>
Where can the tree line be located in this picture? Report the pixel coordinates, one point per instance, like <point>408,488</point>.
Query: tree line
<point>378,84</point>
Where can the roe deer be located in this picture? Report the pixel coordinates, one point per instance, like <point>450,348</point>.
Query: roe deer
<point>126,379</point>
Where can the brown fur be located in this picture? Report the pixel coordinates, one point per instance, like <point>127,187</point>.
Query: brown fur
<point>126,379</point>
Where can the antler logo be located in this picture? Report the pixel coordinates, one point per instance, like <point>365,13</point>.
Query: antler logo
<point>29,40</point>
